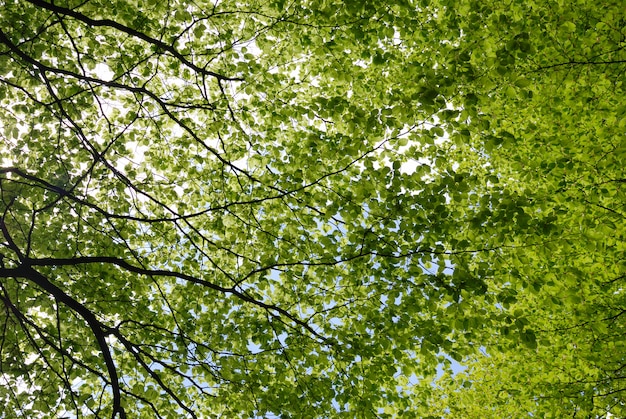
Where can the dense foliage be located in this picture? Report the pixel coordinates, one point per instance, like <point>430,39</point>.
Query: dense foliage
<point>308,209</point>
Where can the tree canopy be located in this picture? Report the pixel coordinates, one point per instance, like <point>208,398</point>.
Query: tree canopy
<point>311,209</point>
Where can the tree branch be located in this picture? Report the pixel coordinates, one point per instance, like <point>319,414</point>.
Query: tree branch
<point>99,330</point>
<point>172,274</point>
<point>132,32</point>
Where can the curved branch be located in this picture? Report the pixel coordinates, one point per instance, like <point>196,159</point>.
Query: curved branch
<point>172,274</point>
<point>132,32</point>
<point>99,330</point>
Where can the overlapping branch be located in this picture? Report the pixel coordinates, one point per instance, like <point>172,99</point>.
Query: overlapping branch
<point>132,32</point>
